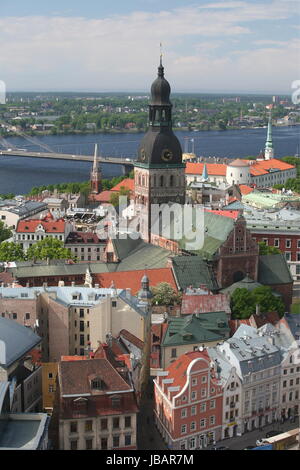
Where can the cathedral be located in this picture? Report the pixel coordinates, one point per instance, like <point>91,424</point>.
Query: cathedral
<point>159,171</point>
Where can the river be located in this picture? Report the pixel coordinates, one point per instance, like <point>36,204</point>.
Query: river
<point>20,174</point>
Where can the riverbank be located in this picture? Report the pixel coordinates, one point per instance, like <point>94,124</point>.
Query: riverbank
<point>138,131</point>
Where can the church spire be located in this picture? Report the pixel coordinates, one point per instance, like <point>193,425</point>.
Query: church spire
<point>96,174</point>
<point>269,150</point>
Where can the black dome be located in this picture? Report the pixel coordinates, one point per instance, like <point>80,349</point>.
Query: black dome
<point>155,142</point>
<point>160,89</point>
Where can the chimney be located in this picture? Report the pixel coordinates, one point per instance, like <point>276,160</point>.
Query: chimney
<point>96,286</point>
<point>72,284</point>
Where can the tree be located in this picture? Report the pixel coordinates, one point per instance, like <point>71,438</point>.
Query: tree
<point>10,251</point>
<point>114,197</point>
<point>5,232</point>
<point>164,294</point>
<point>49,248</point>
<point>268,250</point>
<point>243,302</point>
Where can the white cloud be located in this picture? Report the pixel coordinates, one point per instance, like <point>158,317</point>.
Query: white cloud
<point>119,52</point>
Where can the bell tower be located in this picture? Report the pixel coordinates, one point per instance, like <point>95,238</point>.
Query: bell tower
<point>159,171</point>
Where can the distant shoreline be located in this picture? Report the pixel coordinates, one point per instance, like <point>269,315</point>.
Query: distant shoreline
<point>141,131</point>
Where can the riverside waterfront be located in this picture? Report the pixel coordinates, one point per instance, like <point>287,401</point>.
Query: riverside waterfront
<point>20,174</point>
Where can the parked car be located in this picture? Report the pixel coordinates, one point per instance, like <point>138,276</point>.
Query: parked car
<point>272,433</point>
<point>261,442</point>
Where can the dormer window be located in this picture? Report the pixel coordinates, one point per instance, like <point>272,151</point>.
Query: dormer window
<point>97,384</point>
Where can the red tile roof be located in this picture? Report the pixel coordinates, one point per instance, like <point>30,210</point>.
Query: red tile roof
<point>83,237</point>
<point>245,189</point>
<point>132,279</point>
<point>205,303</point>
<point>226,213</point>
<point>217,169</point>
<point>75,377</point>
<point>127,183</point>
<point>262,167</point>
<point>132,338</point>
<point>49,225</point>
<point>104,196</point>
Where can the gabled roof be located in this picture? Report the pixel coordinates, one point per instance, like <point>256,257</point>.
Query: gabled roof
<point>75,377</point>
<point>132,279</point>
<point>127,183</point>
<point>15,341</point>
<point>273,269</point>
<point>49,225</point>
<point>196,329</point>
<point>204,303</point>
<point>193,271</point>
<point>213,169</point>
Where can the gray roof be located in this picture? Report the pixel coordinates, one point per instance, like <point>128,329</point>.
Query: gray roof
<point>273,269</point>
<point>15,341</point>
<point>193,271</point>
<point>143,255</point>
<point>253,351</point>
<point>28,207</point>
<point>23,431</point>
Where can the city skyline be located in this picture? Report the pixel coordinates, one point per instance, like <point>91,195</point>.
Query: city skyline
<point>231,46</point>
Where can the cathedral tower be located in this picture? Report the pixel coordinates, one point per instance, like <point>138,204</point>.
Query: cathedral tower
<point>159,171</point>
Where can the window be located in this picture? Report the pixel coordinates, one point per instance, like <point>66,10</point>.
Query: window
<point>127,421</point>
<point>203,407</point>
<point>88,426</point>
<point>276,242</point>
<point>116,441</point>
<point>184,413</point>
<point>288,243</point>
<point>204,379</point>
<point>116,401</point>
<point>193,426</point>
<point>203,392</point>
<point>89,444</point>
<point>212,419</point>
<point>50,375</point>
<point>127,439</point>
<point>194,395</point>
<point>174,352</point>
<point>114,303</point>
<point>193,410</point>
<point>116,423</point>
<point>73,445</point>
<point>194,382</point>
<point>81,312</point>
<point>288,255</point>
<point>104,424</point>
<point>73,426</point>
<point>15,316</point>
<point>202,423</point>
<point>27,316</point>
<point>212,404</point>
<point>183,429</point>
<point>104,443</point>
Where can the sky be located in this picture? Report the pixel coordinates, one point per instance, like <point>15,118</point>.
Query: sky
<point>248,46</point>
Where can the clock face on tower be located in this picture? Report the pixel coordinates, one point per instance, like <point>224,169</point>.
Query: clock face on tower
<point>143,154</point>
<point>166,155</point>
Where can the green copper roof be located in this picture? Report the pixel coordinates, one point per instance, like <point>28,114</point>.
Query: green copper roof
<point>193,271</point>
<point>246,283</point>
<point>273,269</point>
<point>216,230</point>
<point>202,328</point>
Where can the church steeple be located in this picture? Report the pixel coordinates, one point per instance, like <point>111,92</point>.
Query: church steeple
<point>96,174</point>
<point>269,150</point>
